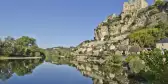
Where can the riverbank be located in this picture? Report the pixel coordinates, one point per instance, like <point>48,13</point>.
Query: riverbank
<point>5,58</point>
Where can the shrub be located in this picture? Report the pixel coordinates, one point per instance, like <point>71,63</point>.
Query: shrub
<point>113,64</point>
<point>159,3</point>
<point>153,12</point>
<point>146,37</point>
<point>136,64</point>
<point>129,58</point>
<point>156,64</point>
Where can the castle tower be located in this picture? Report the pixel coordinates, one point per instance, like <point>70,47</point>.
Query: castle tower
<point>132,5</point>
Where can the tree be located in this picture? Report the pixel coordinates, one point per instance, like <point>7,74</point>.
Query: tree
<point>8,46</point>
<point>26,41</point>
<point>9,38</point>
<point>136,64</point>
<point>159,2</point>
<point>1,44</point>
<point>146,37</point>
<point>156,66</point>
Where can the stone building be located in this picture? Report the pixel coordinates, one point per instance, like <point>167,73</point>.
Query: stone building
<point>133,5</point>
<point>162,44</point>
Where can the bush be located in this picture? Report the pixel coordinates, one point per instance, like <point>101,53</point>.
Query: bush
<point>136,64</point>
<point>153,12</point>
<point>146,37</point>
<point>113,64</point>
<point>159,3</point>
<point>151,7</point>
<point>156,66</point>
<point>129,58</point>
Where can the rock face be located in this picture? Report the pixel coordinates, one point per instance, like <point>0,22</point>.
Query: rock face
<point>115,31</point>
<point>118,28</point>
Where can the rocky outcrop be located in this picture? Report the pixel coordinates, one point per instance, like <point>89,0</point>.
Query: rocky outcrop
<point>115,31</point>
<point>118,29</point>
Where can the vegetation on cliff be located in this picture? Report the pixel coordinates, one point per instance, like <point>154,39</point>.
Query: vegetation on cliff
<point>147,37</point>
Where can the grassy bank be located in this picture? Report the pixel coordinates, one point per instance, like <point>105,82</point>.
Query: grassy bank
<point>5,58</point>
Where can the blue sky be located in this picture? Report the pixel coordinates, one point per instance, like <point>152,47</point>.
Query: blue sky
<point>55,22</point>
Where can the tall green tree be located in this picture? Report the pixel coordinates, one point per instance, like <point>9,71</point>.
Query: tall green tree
<point>26,41</point>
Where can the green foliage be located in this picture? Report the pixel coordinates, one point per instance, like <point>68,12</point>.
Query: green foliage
<point>154,12</point>
<point>115,60</point>
<point>24,46</point>
<point>129,58</point>
<point>26,41</point>
<point>113,64</point>
<point>155,60</point>
<point>151,65</point>
<point>146,37</point>
<point>136,64</point>
<point>20,67</point>
<point>54,54</point>
<point>151,7</point>
<point>159,3</point>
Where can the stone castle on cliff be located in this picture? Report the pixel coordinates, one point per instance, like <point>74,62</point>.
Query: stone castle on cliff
<point>114,31</point>
<point>133,5</point>
<point>129,8</point>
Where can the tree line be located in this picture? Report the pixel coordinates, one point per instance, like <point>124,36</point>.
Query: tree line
<point>23,46</point>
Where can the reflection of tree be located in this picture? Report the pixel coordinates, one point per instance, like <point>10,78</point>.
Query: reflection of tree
<point>5,70</point>
<point>5,73</point>
<point>20,67</point>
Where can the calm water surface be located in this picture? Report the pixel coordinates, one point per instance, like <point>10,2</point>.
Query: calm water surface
<point>36,71</point>
<point>22,72</point>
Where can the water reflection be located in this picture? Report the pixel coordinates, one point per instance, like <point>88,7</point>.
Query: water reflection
<point>65,71</point>
<point>19,67</point>
<point>100,73</point>
<point>36,71</point>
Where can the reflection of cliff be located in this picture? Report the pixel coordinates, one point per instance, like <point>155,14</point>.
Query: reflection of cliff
<point>95,67</point>
<point>110,71</point>
<point>101,74</point>
<point>20,67</point>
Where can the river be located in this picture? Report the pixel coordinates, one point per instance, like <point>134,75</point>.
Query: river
<point>63,71</point>
<point>38,72</point>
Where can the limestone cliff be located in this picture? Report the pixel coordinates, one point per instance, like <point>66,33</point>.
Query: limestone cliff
<point>117,28</point>
<point>114,31</point>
